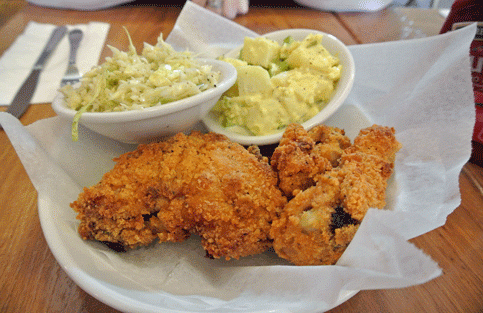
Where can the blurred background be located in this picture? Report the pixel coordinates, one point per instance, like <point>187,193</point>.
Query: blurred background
<point>443,4</point>
<point>9,7</point>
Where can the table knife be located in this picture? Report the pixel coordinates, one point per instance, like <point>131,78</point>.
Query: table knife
<point>22,99</point>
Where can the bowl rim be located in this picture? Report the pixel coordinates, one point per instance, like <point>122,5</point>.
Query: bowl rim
<point>333,105</point>
<point>337,5</point>
<point>228,78</point>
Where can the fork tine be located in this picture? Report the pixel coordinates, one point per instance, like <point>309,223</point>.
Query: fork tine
<point>69,81</point>
<point>72,75</point>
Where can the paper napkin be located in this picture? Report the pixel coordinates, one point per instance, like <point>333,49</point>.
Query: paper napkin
<point>17,61</point>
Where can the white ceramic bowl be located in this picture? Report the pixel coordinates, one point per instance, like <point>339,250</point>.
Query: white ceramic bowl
<point>142,126</point>
<point>345,5</point>
<point>344,86</point>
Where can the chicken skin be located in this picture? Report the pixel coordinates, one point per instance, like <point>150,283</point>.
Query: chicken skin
<point>198,184</point>
<point>318,224</point>
<point>302,155</point>
<point>306,202</point>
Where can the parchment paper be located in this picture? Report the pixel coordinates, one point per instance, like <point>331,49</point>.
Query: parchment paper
<point>422,87</point>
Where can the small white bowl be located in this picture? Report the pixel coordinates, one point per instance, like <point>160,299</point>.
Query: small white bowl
<point>344,86</point>
<point>345,5</point>
<point>142,126</point>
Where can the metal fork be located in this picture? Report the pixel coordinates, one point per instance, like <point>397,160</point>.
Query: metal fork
<point>72,74</point>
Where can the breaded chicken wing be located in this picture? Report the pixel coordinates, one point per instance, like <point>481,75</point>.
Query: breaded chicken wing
<point>318,224</point>
<point>201,183</point>
<point>313,230</point>
<point>301,155</point>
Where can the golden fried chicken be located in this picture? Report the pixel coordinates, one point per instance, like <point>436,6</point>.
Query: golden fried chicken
<point>365,168</point>
<point>301,155</point>
<point>201,183</point>
<point>313,230</point>
<point>318,224</point>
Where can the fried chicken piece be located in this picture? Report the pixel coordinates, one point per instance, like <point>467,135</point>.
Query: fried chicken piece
<point>312,230</point>
<point>365,168</point>
<point>301,155</point>
<point>319,223</point>
<point>376,140</point>
<point>201,183</point>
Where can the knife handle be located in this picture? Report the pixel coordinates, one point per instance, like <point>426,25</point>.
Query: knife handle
<point>56,36</point>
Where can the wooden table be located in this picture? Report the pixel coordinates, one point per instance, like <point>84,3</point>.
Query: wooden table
<point>32,281</point>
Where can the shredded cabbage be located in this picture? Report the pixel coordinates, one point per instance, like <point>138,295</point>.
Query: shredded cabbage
<point>128,81</point>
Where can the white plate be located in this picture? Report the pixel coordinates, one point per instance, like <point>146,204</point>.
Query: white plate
<point>168,277</point>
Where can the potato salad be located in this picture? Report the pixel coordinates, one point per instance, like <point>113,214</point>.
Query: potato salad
<point>278,84</point>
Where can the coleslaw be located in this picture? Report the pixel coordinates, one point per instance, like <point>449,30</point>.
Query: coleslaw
<point>128,81</point>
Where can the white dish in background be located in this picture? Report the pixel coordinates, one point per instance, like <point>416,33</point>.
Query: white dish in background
<point>344,86</point>
<point>141,126</point>
<point>87,5</point>
<point>345,5</point>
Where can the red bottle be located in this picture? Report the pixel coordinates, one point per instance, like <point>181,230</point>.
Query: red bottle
<point>462,13</point>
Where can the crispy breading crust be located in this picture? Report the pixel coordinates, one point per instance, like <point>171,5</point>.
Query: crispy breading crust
<point>201,183</point>
<point>301,155</point>
<point>318,224</point>
<point>305,234</point>
<point>232,197</point>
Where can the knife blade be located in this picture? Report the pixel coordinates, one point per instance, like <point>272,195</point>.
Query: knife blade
<point>22,99</point>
